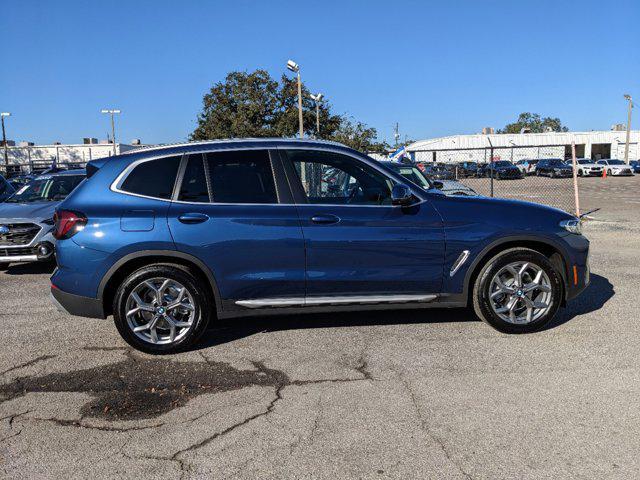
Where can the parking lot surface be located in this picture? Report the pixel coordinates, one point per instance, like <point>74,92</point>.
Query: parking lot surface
<point>406,394</point>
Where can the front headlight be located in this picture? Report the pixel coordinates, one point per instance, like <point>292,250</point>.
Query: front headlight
<point>572,225</point>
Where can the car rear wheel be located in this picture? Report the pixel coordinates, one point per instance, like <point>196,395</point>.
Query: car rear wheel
<point>517,291</point>
<point>161,309</point>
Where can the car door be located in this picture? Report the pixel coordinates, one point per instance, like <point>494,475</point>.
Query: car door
<point>357,243</point>
<point>233,213</point>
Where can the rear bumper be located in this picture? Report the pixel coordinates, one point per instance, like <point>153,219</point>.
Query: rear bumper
<point>77,305</point>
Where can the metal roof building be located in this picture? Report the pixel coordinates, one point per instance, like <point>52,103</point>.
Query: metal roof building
<point>594,144</point>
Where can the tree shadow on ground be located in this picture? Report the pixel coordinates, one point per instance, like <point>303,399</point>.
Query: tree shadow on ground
<point>224,331</point>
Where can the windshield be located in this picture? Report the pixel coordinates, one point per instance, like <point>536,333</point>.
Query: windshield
<point>616,162</point>
<point>502,163</point>
<point>47,188</point>
<point>584,162</point>
<point>414,175</point>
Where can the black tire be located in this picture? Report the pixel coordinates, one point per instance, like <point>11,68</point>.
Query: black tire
<point>482,285</point>
<point>609,172</point>
<point>4,266</point>
<point>179,273</point>
<point>580,173</point>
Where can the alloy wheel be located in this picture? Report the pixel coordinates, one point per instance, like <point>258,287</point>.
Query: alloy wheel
<point>520,293</point>
<point>160,311</point>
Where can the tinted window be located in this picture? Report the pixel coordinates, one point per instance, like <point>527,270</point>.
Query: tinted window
<point>241,177</point>
<point>194,183</point>
<point>331,178</point>
<point>154,178</point>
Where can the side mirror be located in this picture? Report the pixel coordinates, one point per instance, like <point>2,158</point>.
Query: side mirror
<point>401,195</point>
<point>438,184</point>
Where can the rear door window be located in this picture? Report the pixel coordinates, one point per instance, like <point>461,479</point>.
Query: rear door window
<point>153,178</point>
<point>241,176</point>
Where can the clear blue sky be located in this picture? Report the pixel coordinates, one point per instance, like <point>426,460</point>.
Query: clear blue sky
<point>437,68</point>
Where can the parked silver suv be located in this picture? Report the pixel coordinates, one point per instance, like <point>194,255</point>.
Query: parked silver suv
<point>26,217</point>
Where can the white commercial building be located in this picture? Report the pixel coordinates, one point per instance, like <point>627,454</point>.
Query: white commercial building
<point>24,154</point>
<point>595,144</point>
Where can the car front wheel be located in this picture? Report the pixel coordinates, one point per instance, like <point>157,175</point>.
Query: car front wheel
<point>4,266</point>
<point>161,309</point>
<point>517,291</point>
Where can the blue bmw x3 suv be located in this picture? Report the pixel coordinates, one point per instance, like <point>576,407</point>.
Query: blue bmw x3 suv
<point>167,239</point>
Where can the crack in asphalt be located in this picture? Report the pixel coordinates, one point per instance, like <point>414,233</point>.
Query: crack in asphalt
<point>426,429</point>
<point>102,428</point>
<point>41,358</point>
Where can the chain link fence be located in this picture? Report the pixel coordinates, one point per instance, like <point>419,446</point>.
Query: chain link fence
<point>36,167</point>
<point>535,174</point>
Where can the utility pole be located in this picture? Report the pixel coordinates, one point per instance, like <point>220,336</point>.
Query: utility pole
<point>112,112</point>
<point>626,146</point>
<point>294,67</point>
<point>4,140</point>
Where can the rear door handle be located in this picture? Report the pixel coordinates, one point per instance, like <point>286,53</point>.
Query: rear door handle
<point>325,219</point>
<point>192,218</point>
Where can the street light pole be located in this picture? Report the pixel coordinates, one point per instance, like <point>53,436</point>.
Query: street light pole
<point>316,98</point>
<point>294,67</point>
<point>112,112</point>
<point>4,140</point>
<point>626,146</point>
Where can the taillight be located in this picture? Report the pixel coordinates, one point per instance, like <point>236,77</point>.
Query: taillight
<point>68,223</point>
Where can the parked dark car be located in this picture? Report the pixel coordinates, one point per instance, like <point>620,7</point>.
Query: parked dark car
<point>167,239</point>
<point>554,168</point>
<point>635,165</point>
<point>502,170</point>
<point>467,169</point>
<point>438,171</point>
<point>6,189</point>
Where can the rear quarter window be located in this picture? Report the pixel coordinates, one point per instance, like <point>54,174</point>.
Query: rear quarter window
<point>153,178</point>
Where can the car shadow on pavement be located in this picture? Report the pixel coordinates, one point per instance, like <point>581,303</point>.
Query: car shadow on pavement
<point>599,292</point>
<point>33,268</point>
<point>224,331</point>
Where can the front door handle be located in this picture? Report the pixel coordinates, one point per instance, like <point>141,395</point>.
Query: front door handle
<point>192,218</point>
<point>325,219</point>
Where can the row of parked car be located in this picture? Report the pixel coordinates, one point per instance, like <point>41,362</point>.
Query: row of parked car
<point>547,167</point>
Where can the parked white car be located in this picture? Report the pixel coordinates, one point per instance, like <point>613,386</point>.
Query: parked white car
<point>587,167</point>
<point>616,167</point>
<point>527,166</point>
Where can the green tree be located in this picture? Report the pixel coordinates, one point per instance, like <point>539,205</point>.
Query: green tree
<point>255,105</point>
<point>359,136</point>
<point>535,124</point>
<point>244,105</point>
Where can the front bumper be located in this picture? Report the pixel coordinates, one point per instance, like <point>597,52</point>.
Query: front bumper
<point>622,173</point>
<point>76,304</point>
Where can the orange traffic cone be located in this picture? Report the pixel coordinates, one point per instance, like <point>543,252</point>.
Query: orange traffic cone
<point>604,173</point>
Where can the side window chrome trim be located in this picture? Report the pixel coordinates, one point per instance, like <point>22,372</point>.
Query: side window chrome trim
<point>115,185</point>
